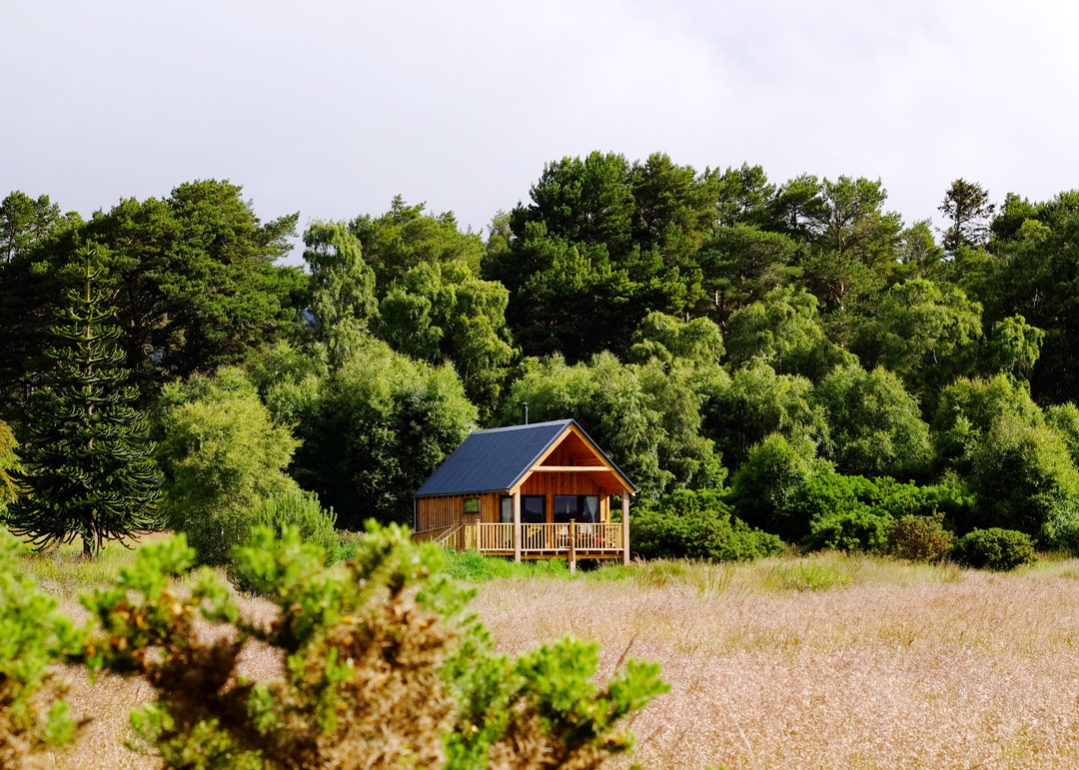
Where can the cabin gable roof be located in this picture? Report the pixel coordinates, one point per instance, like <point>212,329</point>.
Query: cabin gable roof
<point>497,459</point>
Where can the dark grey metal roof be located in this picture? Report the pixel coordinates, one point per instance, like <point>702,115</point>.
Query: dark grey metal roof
<point>494,460</point>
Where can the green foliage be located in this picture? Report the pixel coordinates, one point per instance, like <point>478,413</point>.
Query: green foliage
<point>829,494</point>
<point>742,263</point>
<point>994,548</point>
<point>296,509</point>
<point>382,667</point>
<point>783,330</point>
<point>372,429</point>
<point>1024,479</point>
<point>645,417</point>
<point>479,568</point>
<point>741,410</point>
<point>223,455</point>
<point>967,410</point>
<point>920,538</point>
<point>405,237</point>
<point>34,634</point>
<point>856,529</point>
<point>809,576</point>
<point>697,524</point>
<point>925,331</point>
<point>773,473</point>
<point>602,243</point>
<point>86,462</point>
<point>1014,347</point>
<point>9,462</point>
<point>341,285</point>
<point>440,312</point>
<point>665,337</point>
<point>876,426</point>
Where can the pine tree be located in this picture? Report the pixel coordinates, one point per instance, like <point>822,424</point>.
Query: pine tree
<point>86,460</point>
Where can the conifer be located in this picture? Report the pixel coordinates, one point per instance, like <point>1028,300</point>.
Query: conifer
<point>86,461</point>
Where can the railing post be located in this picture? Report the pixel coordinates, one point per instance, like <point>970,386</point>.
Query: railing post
<point>572,546</point>
<point>625,526</point>
<point>517,524</point>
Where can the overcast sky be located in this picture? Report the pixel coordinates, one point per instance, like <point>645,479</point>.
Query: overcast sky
<point>332,108</point>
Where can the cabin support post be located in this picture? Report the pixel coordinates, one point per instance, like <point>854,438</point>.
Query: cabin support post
<point>625,526</point>
<point>572,547</point>
<point>517,524</point>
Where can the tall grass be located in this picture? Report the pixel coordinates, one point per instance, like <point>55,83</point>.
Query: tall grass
<point>828,661</point>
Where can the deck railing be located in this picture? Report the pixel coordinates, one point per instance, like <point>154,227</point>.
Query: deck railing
<point>551,538</point>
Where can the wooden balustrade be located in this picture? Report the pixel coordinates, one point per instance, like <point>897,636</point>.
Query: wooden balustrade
<point>550,538</point>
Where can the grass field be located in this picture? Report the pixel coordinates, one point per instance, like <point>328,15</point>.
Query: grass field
<point>826,661</point>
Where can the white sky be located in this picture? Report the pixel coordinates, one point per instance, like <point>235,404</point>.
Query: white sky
<point>331,108</point>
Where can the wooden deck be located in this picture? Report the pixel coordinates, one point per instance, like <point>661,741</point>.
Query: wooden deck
<point>538,541</point>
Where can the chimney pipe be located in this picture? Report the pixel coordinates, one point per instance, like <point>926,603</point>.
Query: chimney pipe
<point>524,412</point>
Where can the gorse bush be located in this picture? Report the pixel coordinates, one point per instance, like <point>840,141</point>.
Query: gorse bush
<point>33,636</point>
<point>994,548</point>
<point>381,667</point>
<point>698,525</point>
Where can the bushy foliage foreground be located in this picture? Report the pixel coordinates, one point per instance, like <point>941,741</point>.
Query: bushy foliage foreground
<point>380,666</point>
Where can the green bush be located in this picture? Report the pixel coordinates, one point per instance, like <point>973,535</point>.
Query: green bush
<point>697,524</point>
<point>296,508</point>
<point>830,494</point>
<point>383,667</point>
<point>856,529</point>
<point>33,636</point>
<point>920,538</point>
<point>774,471</point>
<point>994,548</point>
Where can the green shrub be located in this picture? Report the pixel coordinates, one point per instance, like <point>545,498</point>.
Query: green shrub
<point>920,538</point>
<point>770,478</point>
<point>697,524</point>
<point>994,548</point>
<point>856,529</point>
<point>33,636</point>
<point>292,508</point>
<point>382,666</point>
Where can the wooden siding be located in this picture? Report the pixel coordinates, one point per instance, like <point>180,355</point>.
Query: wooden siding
<point>439,512</point>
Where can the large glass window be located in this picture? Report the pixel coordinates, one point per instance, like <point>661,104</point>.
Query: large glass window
<point>579,508</point>
<point>533,509</point>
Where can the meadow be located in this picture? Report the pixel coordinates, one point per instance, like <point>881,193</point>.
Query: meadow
<point>821,661</point>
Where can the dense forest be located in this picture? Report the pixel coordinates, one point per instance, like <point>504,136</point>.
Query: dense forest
<point>766,360</point>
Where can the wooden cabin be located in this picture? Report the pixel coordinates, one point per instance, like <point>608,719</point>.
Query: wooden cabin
<point>536,491</point>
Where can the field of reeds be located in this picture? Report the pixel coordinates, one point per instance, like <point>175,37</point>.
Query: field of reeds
<point>823,661</point>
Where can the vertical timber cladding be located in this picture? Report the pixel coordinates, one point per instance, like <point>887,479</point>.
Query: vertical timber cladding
<point>438,512</point>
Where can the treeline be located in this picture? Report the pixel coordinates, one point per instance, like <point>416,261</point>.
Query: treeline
<point>791,351</point>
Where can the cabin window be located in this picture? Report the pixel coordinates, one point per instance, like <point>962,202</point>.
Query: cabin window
<point>579,508</point>
<point>505,506</point>
<point>533,509</point>
<point>472,505</point>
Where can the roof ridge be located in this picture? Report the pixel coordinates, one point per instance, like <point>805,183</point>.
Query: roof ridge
<point>545,424</point>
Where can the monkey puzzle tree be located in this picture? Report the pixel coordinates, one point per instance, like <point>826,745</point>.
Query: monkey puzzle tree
<point>86,461</point>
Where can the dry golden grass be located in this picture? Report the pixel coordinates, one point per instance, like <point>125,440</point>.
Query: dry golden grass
<point>880,665</point>
<point>822,662</point>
